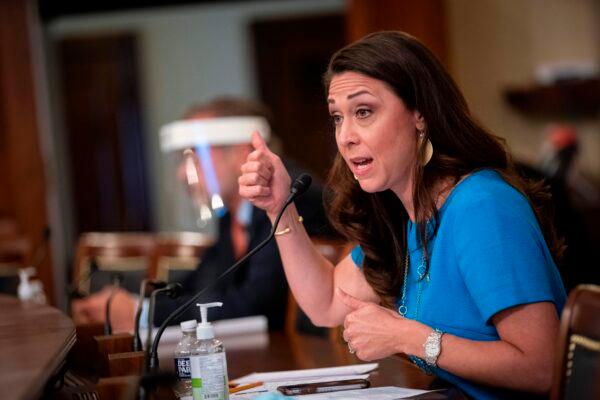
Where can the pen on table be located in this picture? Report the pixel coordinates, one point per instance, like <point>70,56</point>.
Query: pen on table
<point>244,387</point>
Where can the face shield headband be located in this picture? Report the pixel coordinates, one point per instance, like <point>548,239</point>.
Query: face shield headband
<point>194,139</point>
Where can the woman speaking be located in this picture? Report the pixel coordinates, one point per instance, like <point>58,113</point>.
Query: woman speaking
<point>455,258</point>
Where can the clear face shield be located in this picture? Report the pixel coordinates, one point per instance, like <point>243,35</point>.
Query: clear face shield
<point>196,176</point>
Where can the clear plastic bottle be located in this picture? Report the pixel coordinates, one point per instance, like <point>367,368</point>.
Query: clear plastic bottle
<point>184,349</point>
<point>208,362</point>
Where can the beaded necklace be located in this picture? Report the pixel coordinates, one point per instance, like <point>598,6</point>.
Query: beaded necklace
<point>421,270</point>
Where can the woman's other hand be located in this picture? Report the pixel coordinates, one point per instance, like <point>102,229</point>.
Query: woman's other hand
<point>264,181</point>
<point>371,331</point>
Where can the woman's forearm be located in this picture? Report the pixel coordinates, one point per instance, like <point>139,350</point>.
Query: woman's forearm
<point>496,363</point>
<point>309,274</point>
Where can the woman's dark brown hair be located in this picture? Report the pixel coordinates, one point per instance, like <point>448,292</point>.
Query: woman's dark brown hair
<point>461,146</point>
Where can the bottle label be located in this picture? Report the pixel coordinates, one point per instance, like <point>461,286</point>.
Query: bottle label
<point>182,366</point>
<point>209,377</point>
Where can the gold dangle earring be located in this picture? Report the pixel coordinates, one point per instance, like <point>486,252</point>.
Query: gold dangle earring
<point>428,152</point>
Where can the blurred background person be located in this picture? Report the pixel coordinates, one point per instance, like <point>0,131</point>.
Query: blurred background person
<point>571,192</point>
<point>257,288</point>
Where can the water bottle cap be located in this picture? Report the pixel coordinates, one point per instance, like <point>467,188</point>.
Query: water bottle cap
<point>187,326</point>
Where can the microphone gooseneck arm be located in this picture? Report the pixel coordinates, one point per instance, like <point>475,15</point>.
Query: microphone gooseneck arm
<point>41,251</point>
<point>299,186</point>
<point>137,340</point>
<point>74,290</point>
<point>173,290</point>
<point>155,284</point>
<point>115,286</point>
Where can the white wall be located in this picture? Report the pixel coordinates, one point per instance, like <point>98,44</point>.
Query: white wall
<point>498,43</point>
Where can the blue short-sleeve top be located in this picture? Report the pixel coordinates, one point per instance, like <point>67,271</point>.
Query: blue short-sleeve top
<point>488,254</point>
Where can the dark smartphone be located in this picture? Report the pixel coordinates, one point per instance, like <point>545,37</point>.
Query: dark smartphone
<point>323,387</point>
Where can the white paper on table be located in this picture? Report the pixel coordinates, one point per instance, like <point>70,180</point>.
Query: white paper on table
<point>377,393</point>
<point>273,385</point>
<point>223,327</point>
<point>305,374</point>
<point>236,334</point>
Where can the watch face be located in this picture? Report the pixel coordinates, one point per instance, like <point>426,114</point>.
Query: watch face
<point>432,349</point>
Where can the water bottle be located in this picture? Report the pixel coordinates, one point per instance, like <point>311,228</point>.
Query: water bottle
<point>182,353</point>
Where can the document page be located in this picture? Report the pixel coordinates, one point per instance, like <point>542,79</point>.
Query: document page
<point>273,385</point>
<point>306,374</point>
<point>378,393</point>
<point>269,381</point>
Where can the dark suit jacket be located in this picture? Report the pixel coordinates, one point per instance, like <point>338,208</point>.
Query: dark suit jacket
<point>257,288</point>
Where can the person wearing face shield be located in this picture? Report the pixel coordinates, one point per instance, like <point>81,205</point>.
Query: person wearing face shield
<point>210,145</point>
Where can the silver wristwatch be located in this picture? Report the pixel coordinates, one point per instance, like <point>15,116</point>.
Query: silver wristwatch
<point>433,347</point>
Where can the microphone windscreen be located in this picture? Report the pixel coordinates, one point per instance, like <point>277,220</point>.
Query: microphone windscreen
<point>157,284</point>
<point>301,184</point>
<point>174,290</point>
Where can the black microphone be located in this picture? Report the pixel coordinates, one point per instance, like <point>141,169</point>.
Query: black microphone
<point>298,187</point>
<point>116,284</point>
<point>173,290</point>
<point>154,284</point>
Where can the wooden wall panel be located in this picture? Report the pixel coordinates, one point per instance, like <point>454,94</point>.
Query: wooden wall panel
<point>104,132</point>
<point>424,19</point>
<point>22,164</point>
<point>291,57</point>
<point>5,189</point>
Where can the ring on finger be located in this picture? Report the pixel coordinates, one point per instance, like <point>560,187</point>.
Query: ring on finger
<point>350,349</point>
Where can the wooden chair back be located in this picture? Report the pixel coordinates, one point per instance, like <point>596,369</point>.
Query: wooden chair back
<point>128,253</point>
<point>177,252</point>
<point>577,365</point>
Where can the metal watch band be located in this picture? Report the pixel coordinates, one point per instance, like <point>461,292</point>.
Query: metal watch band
<point>433,347</point>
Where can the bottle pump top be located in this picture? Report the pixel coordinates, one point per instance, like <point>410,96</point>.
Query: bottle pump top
<point>187,326</point>
<point>205,329</point>
<point>26,290</point>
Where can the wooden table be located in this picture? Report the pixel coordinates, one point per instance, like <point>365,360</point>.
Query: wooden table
<point>302,351</point>
<point>34,341</point>
<point>276,351</point>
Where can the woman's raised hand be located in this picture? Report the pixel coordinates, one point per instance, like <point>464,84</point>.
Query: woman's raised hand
<point>264,181</point>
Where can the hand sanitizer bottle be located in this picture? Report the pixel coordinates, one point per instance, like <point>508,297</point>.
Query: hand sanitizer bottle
<point>182,353</point>
<point>208,362</point>
<point>30,291</point>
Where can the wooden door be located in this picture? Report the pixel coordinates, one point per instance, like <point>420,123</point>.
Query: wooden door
<point>104,133</point>
<point>424,19</point>
<point>292,56</point>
